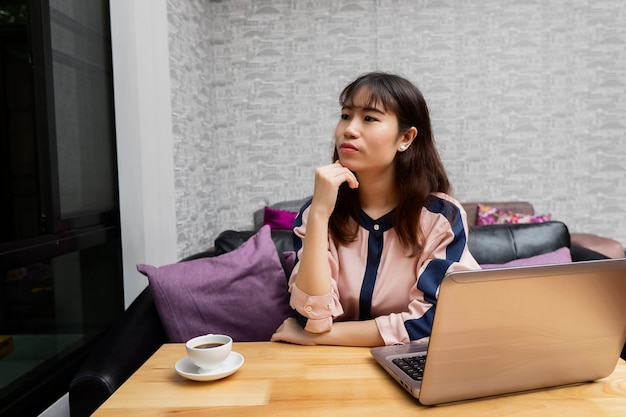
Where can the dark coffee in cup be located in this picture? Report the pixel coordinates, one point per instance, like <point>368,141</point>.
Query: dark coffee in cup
<point>209,351</point>
<point>208,345</point>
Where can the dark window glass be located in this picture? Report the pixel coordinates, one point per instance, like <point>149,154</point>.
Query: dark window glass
<point>60,248</point>
<point>81,56</point>
<point>19,174</point>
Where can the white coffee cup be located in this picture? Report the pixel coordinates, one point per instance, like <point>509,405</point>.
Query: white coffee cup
<point>207,352</point>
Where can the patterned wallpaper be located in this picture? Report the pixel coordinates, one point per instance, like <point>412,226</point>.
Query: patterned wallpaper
<point>527,99</point>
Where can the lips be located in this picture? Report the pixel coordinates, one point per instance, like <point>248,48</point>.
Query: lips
<point>347,147</point>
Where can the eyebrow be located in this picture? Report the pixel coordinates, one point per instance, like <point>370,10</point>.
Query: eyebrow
<point>365,108</point>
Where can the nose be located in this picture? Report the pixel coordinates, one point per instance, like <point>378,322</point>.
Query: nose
<point>352,129</point>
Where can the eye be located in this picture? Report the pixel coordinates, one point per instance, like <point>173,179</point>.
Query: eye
<point>370,119</point>
<point>345,116</point>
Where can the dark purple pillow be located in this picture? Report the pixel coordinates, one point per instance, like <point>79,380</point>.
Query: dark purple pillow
<point>278,219</point>
<point>242,293</point>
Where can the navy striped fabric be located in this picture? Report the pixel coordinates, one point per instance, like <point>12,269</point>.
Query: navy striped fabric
<point>375,243</point>
<point>436,270</point>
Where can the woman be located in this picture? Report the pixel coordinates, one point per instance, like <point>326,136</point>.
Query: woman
<point>381,231</point>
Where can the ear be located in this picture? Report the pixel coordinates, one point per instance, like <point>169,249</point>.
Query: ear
<point>407,138</point>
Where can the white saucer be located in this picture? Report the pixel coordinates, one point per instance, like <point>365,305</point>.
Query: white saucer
<point>186,368</point>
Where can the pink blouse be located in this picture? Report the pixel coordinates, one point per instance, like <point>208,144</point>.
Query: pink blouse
<point>372,278</point>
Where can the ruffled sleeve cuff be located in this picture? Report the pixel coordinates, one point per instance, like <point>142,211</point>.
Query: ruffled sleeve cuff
<point>318,309</point>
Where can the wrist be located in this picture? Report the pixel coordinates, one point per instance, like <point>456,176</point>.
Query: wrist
<point>319,214</point>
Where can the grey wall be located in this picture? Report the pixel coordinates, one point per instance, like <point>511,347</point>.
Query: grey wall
<point>527,99</point>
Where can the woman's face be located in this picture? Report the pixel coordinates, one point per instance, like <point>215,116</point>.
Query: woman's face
<point>367,138</point>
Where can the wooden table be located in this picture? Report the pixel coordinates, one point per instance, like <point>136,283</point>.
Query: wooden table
<point>288,380</point>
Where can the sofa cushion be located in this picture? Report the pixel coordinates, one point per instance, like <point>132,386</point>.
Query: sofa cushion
<point>242,293</point>
<point>501,243</point>
<point>559,256</point>
<point>493,215</point>
<point>230,240</point>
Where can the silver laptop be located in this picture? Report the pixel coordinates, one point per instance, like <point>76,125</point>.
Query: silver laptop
<point>502,331</point>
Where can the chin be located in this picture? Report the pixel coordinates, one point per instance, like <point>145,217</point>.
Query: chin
<point>348,163</point>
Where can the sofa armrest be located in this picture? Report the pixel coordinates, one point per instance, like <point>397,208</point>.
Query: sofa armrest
<point>581,253</point>
<point>120,352</point>
<point>606,246</point>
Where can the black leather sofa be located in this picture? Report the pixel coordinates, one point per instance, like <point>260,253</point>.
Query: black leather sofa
<point>139,333</point>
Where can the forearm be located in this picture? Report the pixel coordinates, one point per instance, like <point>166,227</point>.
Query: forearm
<point>351,333</point>
<point>313,276</point>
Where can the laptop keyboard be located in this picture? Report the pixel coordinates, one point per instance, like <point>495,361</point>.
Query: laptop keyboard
<point>413,366</point>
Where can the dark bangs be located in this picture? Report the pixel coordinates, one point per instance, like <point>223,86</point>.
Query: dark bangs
<point>377,89</point>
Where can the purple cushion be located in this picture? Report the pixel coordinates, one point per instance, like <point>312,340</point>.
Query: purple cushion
<point>278,219</point>
<point>493,215</point>
<point>559,256</point>
<point>242,293</point>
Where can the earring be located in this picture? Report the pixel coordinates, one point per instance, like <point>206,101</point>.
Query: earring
<point>403,147</point>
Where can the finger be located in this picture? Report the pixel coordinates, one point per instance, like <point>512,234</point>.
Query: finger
<point>351,178</point>
<point>345,175</point>
<point>341,174</point>
<point>352,181</point>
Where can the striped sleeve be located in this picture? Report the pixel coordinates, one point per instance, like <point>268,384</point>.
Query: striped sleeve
<point>445,250</point>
